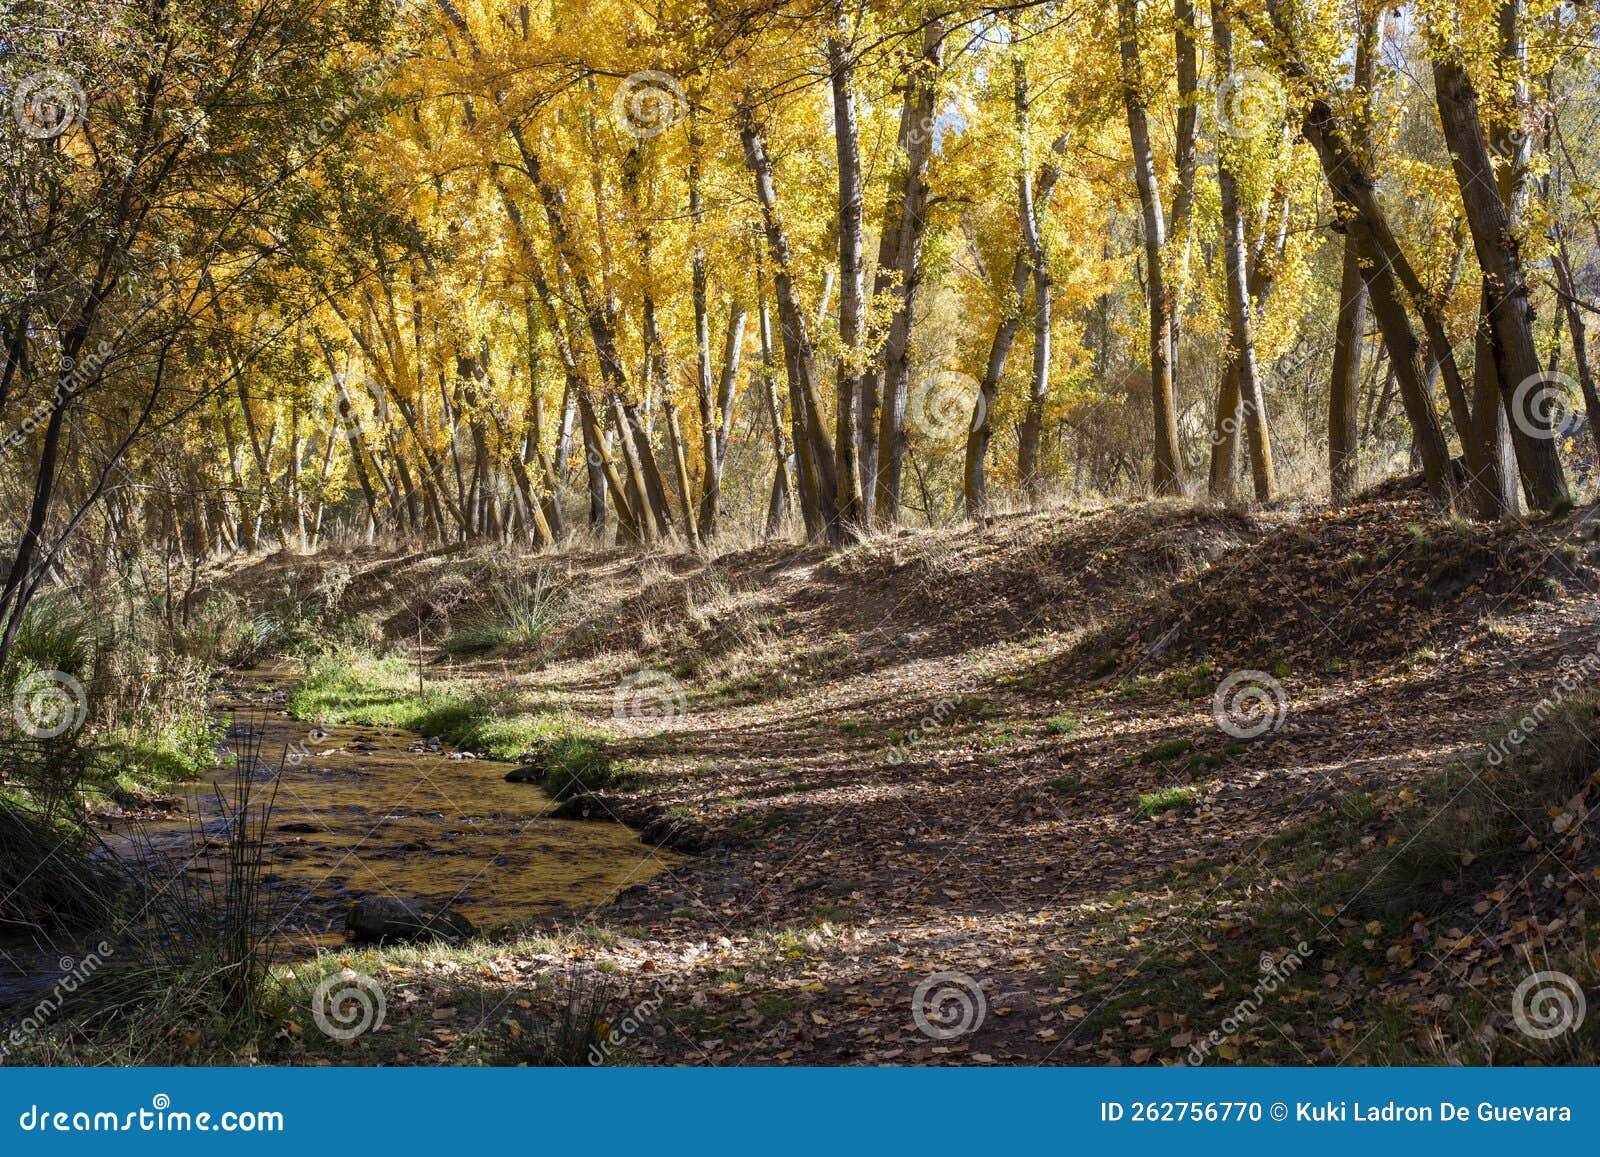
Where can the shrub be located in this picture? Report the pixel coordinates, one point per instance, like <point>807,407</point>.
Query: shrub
<point>516,615</point>
<point>47,876</point>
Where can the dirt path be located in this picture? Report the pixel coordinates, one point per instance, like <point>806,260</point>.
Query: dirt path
<point>979,783</point>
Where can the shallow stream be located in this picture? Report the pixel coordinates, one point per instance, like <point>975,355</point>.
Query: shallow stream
<point>369,811</point>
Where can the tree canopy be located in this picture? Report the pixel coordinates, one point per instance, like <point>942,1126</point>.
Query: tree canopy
<point>275,270</point>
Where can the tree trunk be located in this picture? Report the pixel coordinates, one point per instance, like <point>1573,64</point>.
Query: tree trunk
<point>1167,474</point>
<point>1580,343</point>
<point>1350,326</point>
<point>1187,130</point>
<point>974,484</point>
<point>812,441</point>
<point>852,310</point>
<point>711,485</point>
<point>777,508</point>
<point>1225,436</point>
<point>1028,217</point>
<point>1349,333</point>
<point>1516,360</point>
<point>918,141</point>
<point>1405,355</point>
<point>1488,408</point>
<point>732,354</point>
<point>1242,348</point>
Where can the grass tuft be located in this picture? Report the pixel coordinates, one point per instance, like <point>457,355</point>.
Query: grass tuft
<point>516,615</point>
<point>1167,799</point>
<point>1476,818</point>
<point>1064,724</point>
<point>345,685</point>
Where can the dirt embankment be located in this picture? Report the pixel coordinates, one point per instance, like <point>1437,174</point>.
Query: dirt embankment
<point>995,751</point>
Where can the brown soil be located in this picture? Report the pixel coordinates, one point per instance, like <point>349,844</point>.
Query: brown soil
<point>926,755</point>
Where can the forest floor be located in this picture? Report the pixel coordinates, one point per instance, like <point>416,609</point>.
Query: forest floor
<point>990,762</point>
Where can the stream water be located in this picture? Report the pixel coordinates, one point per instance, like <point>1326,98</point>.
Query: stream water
<point>371,811</point>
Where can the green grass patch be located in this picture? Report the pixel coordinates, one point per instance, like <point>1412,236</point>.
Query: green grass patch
<point>1167,799</point>
<point>1165,750</point>
<point>135,762</point>
<point>574,765</point>
<point>1064,724</point>
<point>346,686</point>
<point>1196,682</point>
